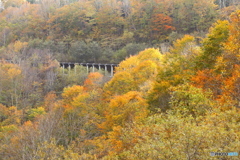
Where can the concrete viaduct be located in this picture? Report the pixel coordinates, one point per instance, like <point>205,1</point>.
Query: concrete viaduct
<point>107,67</point>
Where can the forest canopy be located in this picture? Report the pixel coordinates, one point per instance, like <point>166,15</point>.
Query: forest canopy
<point>174,94</point>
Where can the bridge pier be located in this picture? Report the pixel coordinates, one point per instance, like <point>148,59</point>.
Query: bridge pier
<point>75,71</point>
<point>105,69</point>
<point>87,68</point>
<point>93,67</point>
<point>111,71</point>
<point>69,67</point>
<point>99,67</point>
<point>63,68</point>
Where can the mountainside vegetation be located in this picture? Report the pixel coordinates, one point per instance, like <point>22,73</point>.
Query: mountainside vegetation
<point>174,94</point>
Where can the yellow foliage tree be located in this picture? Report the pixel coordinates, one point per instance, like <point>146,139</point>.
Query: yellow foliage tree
<point>19,46</point>
<point>135,73</point>
<point>81,115</point>
<point>70,93</point>
<point>185,46</point>
<point>121,83</point>
<point>124,110</point>
<point>9,83</point>
<point>232,47</point>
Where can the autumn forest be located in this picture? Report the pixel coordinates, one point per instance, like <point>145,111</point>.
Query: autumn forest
<point>175,93</point>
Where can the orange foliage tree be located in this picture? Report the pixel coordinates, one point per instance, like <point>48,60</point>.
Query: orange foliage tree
<point>161,25</point>
<point>231,88</point>
<point>125,109</point>
<point>223,79</point>
<point>94,81</point>
<point>208,79</point>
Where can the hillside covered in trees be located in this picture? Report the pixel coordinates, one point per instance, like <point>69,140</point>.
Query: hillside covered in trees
<point>174,95</point>
<point>103,30</point>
